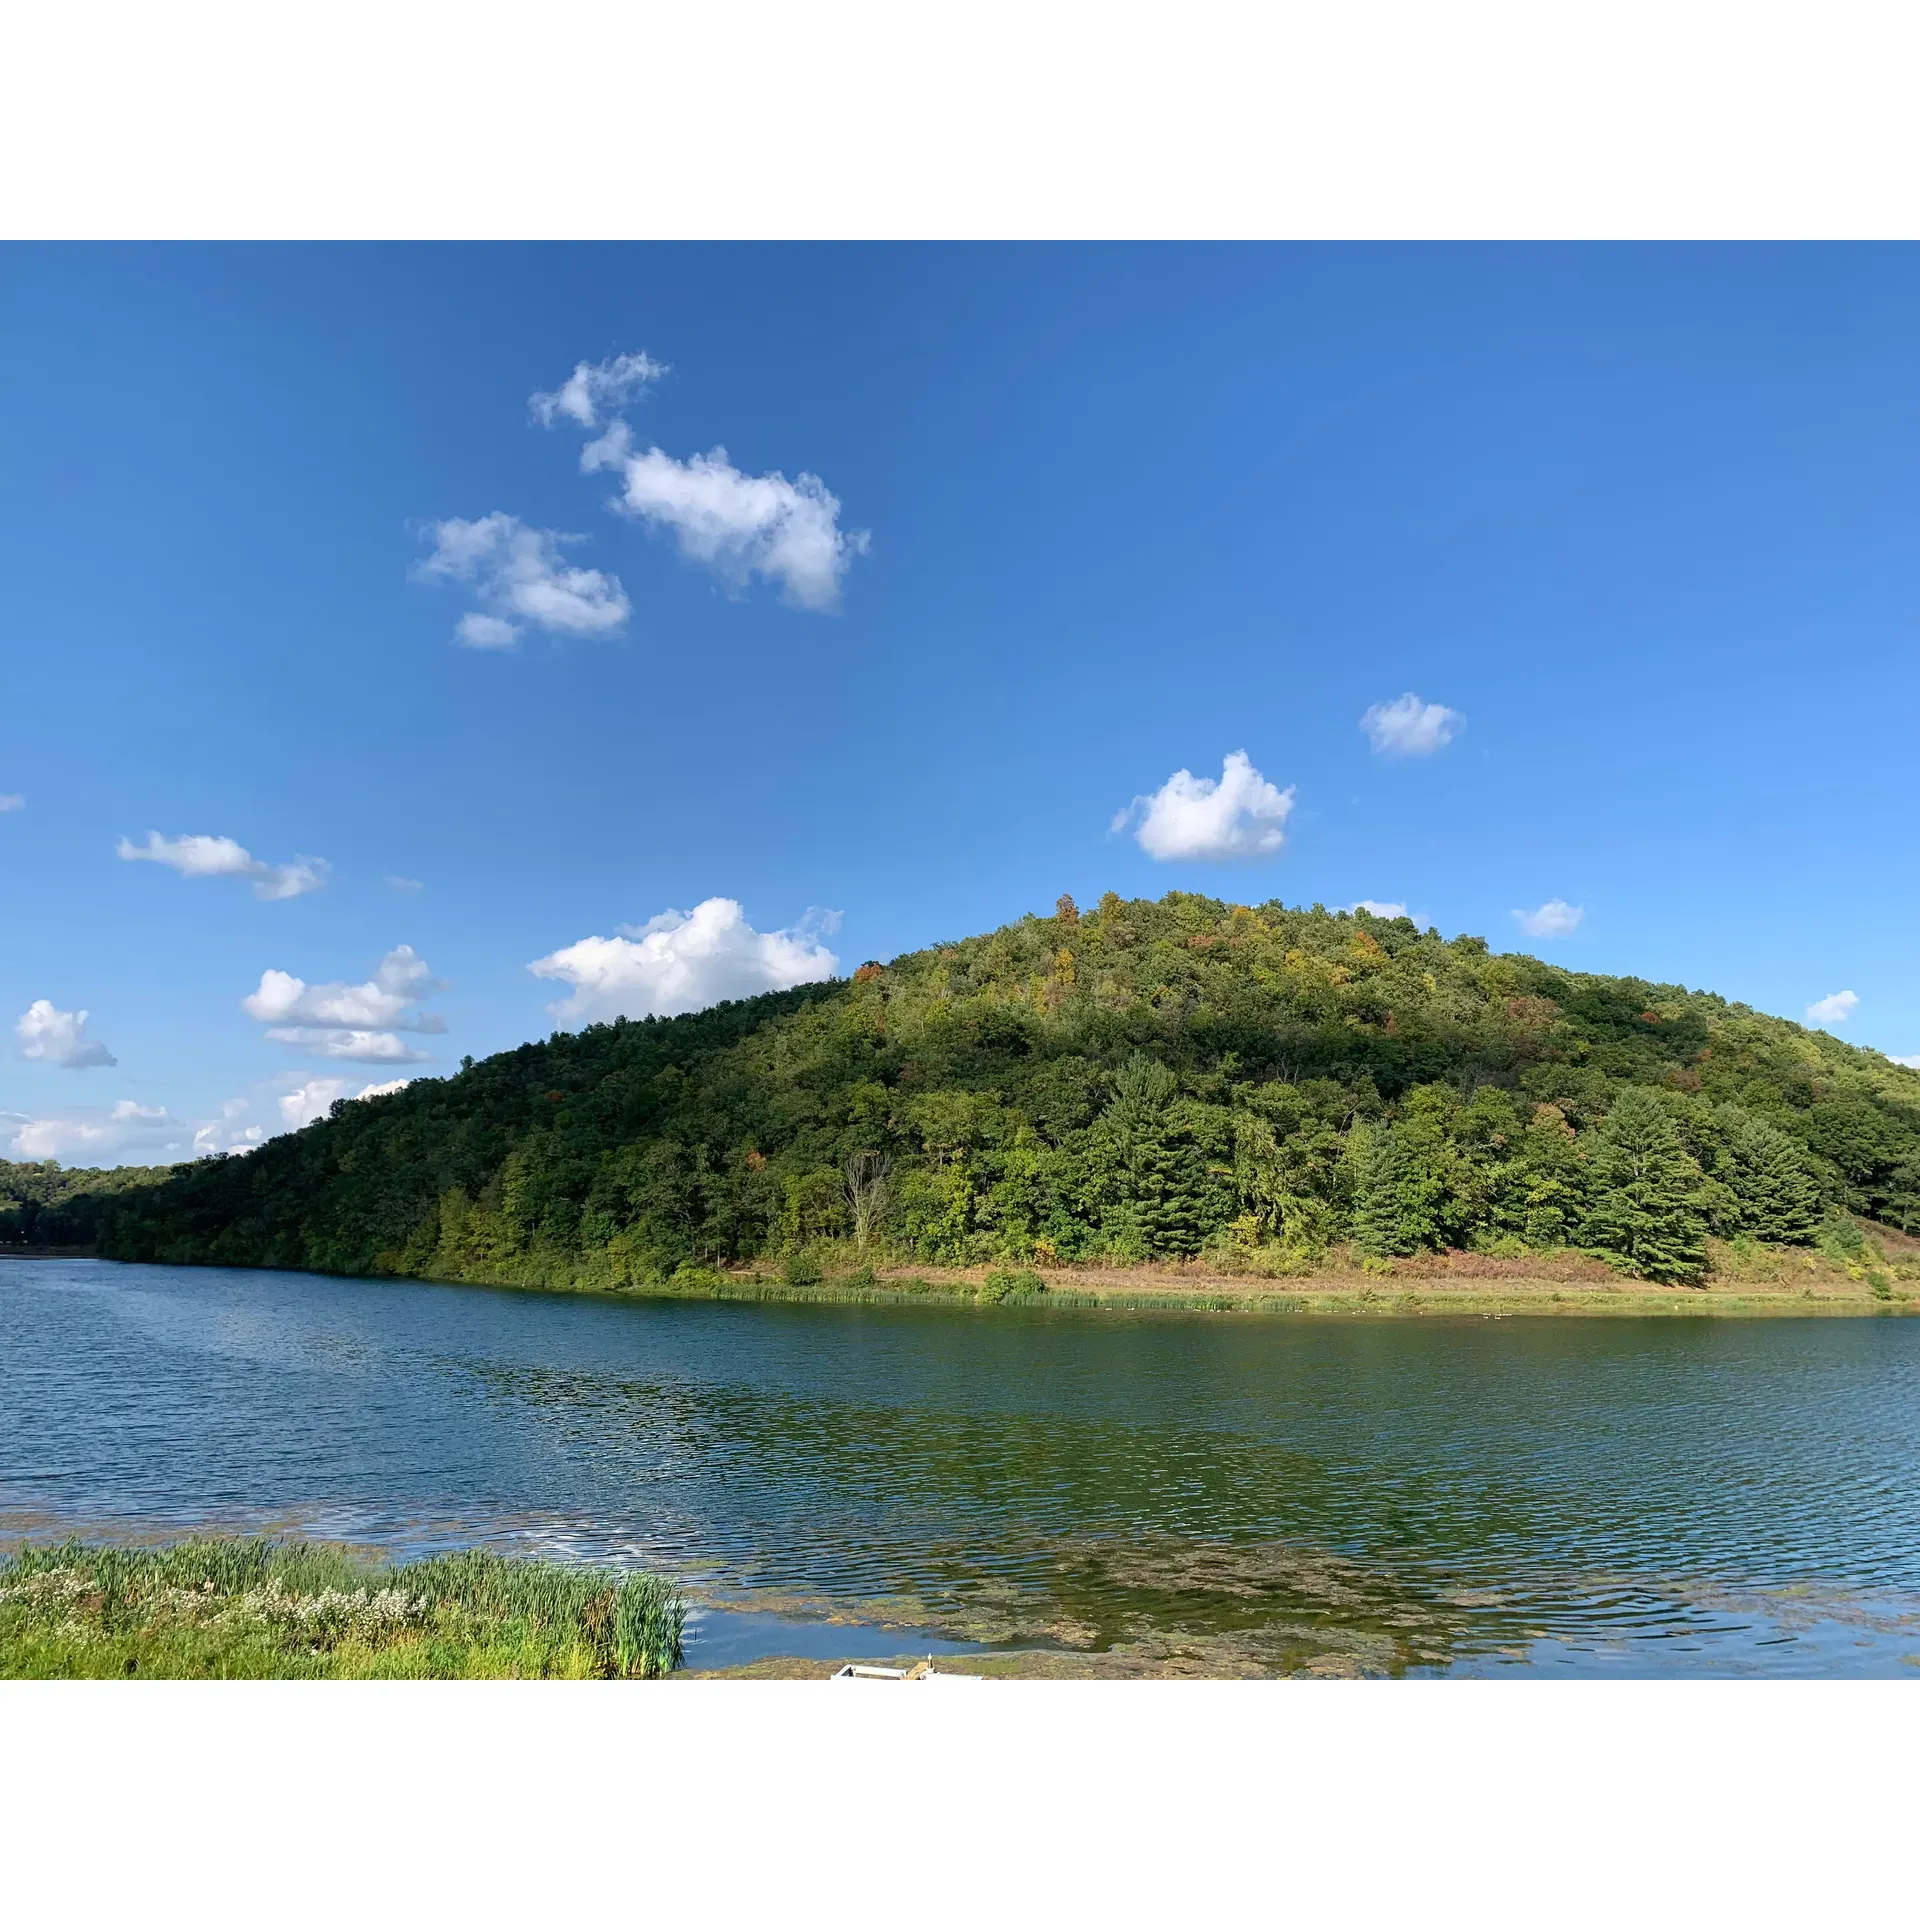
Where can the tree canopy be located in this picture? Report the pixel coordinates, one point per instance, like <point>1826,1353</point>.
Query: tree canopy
<point>1142,1080</point>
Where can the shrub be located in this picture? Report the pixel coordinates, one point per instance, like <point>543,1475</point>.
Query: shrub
<point>1841,1238</point>
<point>801,1269</point>
<point>1008,1287</point>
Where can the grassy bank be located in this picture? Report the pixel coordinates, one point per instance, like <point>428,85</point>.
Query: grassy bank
<point>1875,1272</point>
<point>224,1608</point>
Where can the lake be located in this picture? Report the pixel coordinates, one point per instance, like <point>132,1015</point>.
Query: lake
<point>1188,1493</point>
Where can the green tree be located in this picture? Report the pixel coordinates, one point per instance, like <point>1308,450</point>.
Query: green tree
<point>1775,1194</point>
<point>1645,1214</point>
<point>1396,1197</point>
<point>1541,1188</point>
<point>1160,1202</point>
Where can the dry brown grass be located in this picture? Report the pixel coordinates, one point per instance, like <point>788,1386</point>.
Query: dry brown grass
<point>1739,1279</point>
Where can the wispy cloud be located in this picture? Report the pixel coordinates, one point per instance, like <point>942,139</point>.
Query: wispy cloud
<point>399,883</point>
<point>519,574</point>
<point>679,962</point>
<point>1552,920</point>
<point>348,1043</point>
<point>1834,1008</point>
<point>592,391</point>
<point>740,524</point>
<point>201,856</point>
<point>1240,816</point>
<point>12,802</point>
<point>1905,1060</point>
<point>1409,728</point>
<point>343,1021</point>
<point>60,1039</point>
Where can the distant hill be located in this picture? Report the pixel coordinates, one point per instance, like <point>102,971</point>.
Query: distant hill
<point>43,1204</point>
<point>1150,1079</point>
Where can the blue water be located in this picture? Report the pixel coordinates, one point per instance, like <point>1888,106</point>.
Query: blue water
<point>1177,1493</point>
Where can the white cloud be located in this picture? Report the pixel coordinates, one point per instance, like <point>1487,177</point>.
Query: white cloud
<point>346,1043</point>
<point>388,1001</point>
<point>92,1137</point>
<point>737,523</point>
<point>46,1033</point>
<point>314,1100</point>
<point>12,802</point>
<point>201,856</point>
<point>1549,921</point>
<point>679,962</point>
<point>222,1136</point>
<point>339,1021</point>
<point>1391,910</point>
<point>518,573</point>
<point>1906,1060</point>
<point>1240,816</point>
<point>1409,727</point>
<point>486,631</point>
<point>1834,1008</point>
<point>399,883</point>
<point>591,392</point>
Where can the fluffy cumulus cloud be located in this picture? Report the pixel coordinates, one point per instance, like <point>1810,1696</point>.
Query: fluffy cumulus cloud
<point>1391,910</point>
<point>1551,920</point>
<point>342,1021</point>
<point>593,391</point>
<point>204,856</point>
<point>1240,816</point>
<point>59,1038</point>
<point>1409,728</point>
<point>1906,1060</point>
<point>313,1099</point>
<point>740,524</point>
<point>520,577</point>
<point>96,1137</point>
<point>679,962</point>
<point>1834,1008</point>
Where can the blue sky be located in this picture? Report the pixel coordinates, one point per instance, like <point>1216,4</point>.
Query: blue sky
<point>1640,519</point>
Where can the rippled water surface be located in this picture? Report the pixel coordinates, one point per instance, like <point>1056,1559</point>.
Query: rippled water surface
<point>1193,1493</point>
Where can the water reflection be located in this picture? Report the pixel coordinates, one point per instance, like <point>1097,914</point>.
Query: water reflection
<point>1171,1494</point>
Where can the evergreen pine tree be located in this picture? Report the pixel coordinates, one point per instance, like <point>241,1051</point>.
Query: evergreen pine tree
<point>1158,1177</point>
<point>1646,1213</point>
<point>1775,1194</point>
<point>1395,1196</point>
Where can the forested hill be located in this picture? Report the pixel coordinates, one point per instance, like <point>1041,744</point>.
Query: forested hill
<point>1150,1079</point>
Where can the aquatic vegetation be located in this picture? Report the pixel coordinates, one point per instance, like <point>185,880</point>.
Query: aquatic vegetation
<point>263,1607</point>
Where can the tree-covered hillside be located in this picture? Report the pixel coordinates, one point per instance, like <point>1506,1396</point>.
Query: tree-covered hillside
<point>43,1204</point>
<point>1145,1081</point>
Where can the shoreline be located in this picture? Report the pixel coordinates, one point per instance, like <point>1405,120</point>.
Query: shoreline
<point>1391,1302</point>
<point>1764,1283</point>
